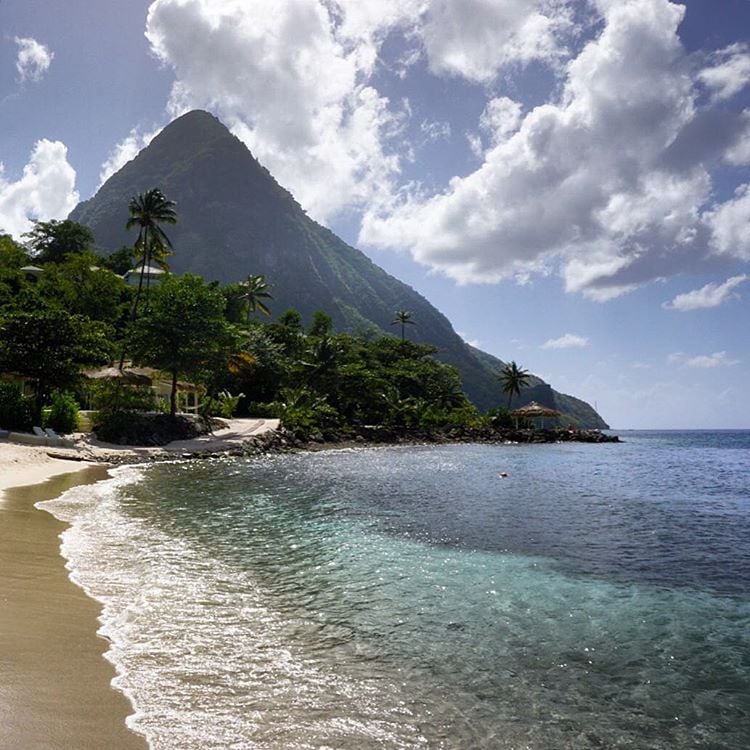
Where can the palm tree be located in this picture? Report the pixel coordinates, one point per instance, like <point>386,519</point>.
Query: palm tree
<point>147,212</point>
<point>256,290</point>
<point>513,378</point>
<point>404,318</point>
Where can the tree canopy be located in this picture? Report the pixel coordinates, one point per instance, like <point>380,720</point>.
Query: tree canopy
<point>148,211</point>
<point>51,346</point>
<point>184,332</point>
<point>54,241</point>
<point>512,379</point>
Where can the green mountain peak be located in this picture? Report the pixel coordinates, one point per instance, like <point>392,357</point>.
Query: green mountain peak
<point>235,219</point>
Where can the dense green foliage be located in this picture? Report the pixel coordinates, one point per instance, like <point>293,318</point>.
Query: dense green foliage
<point>183,331</point>
<point>49,346</point>
<point>319,382</point>
<point>16,410</point>
<point>63,415</point>
<point>54,241</point>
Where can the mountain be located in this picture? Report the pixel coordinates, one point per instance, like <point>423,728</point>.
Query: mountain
<point>235,219</point>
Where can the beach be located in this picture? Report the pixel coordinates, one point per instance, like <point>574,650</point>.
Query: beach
<point>55,689</point>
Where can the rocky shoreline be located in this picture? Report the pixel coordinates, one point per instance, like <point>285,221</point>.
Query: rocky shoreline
<point>283,441</point>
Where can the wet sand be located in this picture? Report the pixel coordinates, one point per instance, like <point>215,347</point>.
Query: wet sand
<point>55,691</point>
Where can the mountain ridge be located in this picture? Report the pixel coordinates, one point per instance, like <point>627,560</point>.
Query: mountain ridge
<point>234,219</point>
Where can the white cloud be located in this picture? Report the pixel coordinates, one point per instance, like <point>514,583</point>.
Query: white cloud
<point>703,361</point>
<point>738,152</point>
<point>436,131</point>
<point>125,151</point>
<point>45,191</point>
<point>568,341</point>
<point>500,118</point>
<point>296,92</point>
<point>600,184</point>
<point>33,59</point>
<point>476,343</point>
<point>710,295</point>
<point>294,78</point>
<point>730,72</point>
<point>475,39</point>
<point>730,225</point>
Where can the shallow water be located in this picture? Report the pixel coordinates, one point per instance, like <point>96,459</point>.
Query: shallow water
<point>599,596</point>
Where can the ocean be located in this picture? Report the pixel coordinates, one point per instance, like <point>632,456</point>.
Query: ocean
<point>411,597</point>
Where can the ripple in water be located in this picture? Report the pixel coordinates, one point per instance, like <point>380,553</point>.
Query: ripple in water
<point>598,597</point>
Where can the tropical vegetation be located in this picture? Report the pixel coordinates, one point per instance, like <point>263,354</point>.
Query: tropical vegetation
<point>76,312</point>
<point>512,379</point>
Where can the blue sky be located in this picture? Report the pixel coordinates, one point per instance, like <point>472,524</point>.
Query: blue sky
<point>567,180</point>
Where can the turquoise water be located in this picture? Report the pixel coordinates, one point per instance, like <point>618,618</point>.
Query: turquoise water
<point>597,597</point>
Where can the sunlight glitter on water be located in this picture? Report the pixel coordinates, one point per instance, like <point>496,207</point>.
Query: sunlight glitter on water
<point>366,600</point>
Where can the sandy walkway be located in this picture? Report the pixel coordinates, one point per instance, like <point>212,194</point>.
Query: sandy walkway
<point>236,433</point>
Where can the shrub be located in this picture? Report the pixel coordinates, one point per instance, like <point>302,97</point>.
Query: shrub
<point>500,418</point>
<point>112,397</point>
<point>16,410</point>
<point>304,413</point>
<point>223,405</point>
<point>135,428</point>
<point>63,415</point>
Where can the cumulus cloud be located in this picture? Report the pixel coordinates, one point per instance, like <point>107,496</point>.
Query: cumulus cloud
<point>33,59</point>
<point>598,184</point>
<point>475,39</point>
<point>703,361</point>
<point>295,79</point>
<point>45,191</point>
<point>289,86</point>
<point>710,295</point>
<point>730,72</point>
<point>730,225</point>
<point>500,118</point>
<point>738,151</point>
<point>471,39</point>
<point>568,341</point>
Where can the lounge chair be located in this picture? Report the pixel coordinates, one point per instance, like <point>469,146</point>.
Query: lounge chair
<point>53,437</point>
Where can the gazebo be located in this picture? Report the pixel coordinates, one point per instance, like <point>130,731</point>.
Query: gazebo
<point>534,410</point>
<point>124,375</point>
<point>152,275</point>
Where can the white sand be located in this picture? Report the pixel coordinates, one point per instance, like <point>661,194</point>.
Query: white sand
<point>22,465</point>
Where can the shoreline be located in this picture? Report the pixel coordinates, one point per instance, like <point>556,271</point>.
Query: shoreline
<point>56,688</point>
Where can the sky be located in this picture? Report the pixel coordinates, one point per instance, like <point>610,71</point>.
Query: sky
<point>567,180</point>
